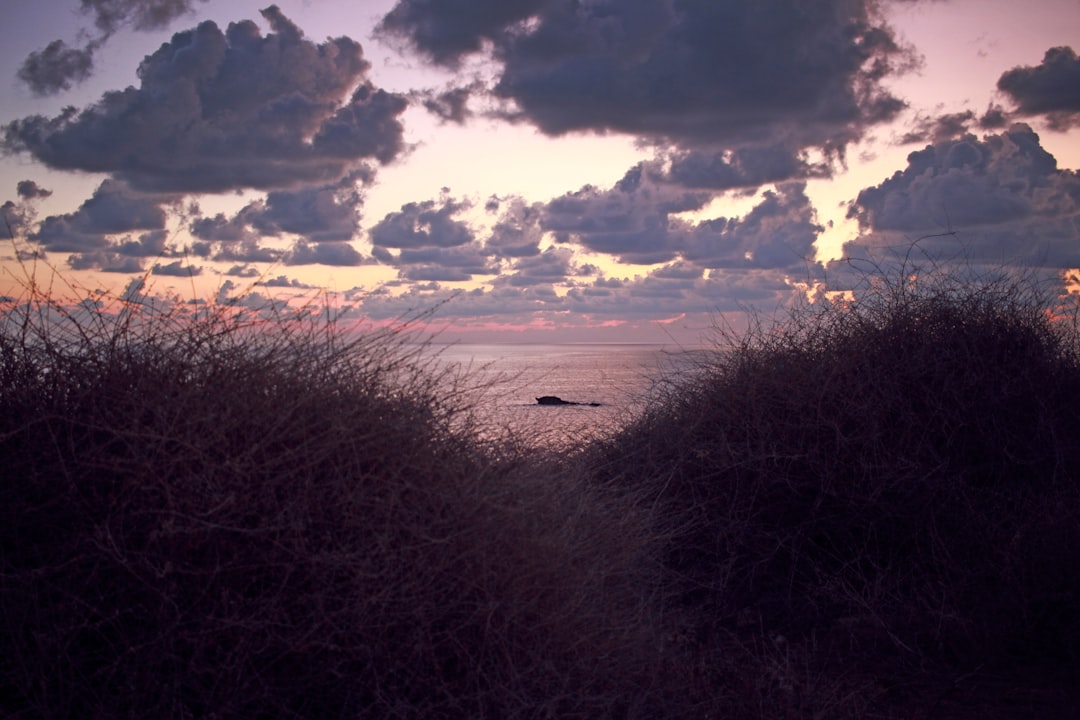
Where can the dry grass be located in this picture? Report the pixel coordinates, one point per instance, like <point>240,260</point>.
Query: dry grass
<point>867,510</point>
<point>208,516</point>
<point>869,496</point>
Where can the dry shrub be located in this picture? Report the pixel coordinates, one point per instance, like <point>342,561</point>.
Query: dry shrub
<point>890,487</point>
<point>204,515</point>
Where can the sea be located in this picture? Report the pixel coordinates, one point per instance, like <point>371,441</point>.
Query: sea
<point>610,384</point>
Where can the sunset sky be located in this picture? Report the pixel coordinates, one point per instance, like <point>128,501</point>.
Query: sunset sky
<point>563,170</point>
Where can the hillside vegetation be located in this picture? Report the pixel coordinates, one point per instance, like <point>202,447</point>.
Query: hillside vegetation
<point>870,509</point>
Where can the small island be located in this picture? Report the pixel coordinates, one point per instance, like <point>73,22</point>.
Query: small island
<point>555,400</point>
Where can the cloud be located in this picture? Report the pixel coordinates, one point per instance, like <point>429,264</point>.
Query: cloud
<point>696,72</point>
<point>423,224</point>
<point>999,199</point>
<point>30,190</point>
<point>778,234</point>
<point>281,281</point>
<point>451,105</point>
<point>446,30</point>
<point>553,265</point>
<point>518,231</point>
<point>637,222</point>
<point>925,128</point>
<point>324,253</point>
<point>631,221</point>
<point>322,220</point>
<point>747,166</point>
<point>217,111</point>
<point>113,209</point>
<point>58,67</point>
<point>1051,88</point>
<point>177,269</point>
<point>325,213</point>
<point>106,261</point>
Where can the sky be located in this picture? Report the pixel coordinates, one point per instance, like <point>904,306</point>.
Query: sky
<point>533,170</point>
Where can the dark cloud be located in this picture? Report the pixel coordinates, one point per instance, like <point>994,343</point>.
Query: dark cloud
<point>995,118</point>
<point>435,273</point>
<point>450,105</point>
<point>679,271</point>
<point>999,199</point>
<point>324,253</point>
<point>423,224</point>
<point>747,166</point>
<point>445,30</point>
<point>243,271</point>
<point>217,111</point>
<point>110,15</point>
<point>113,209</point>
<point>936,129</point>
<point>972,182</point>
<point>778,233</point>
<point>1051,88</point>
<point>326,213</point>
<point>693,71</point>
<point>517,232</point>
<point>150,244</point>
<point>30,190</point>
<point>467,258</point>
<point>16,218</point>
<point>222,229</point>
<point>245,251</point>
<point>177,269</point>
<point>106,261</point>
<point>632,221</point>
<point>281,281</point>
<point>57,67</point>
<point>322,220</point>
<point>553,265</point>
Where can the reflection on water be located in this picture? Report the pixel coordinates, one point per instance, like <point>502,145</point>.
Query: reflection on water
<point>509,378</point>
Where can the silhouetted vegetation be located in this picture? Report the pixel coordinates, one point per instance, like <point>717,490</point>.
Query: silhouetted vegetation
<point>205,516</point>
<point>870,509</point>
<point>877,504</point>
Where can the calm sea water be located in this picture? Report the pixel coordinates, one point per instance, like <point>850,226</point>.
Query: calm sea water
<point>618,377</point>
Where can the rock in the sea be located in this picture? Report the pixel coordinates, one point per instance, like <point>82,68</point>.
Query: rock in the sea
<point>552,400</point>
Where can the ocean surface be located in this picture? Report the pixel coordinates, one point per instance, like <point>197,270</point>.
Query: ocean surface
<point>508,378</point>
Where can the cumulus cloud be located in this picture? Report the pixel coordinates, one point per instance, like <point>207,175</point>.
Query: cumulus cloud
<point>937,128</point>
<point>177,268</point>
<point>113,209</point>
<point>58,67</point>
<point>217,111</point>
<point>1051,88</point>
<point>321,219</point>
<point>324,253</point>
<point>451,105</point>
<point>747,166</point>
<point>518,231</point>
<point>446,30</point>
<point>999,199</point>
<point>423,224</point>
<point>30,190</point>
<point>694,72</point>
<point>553,265</point>
<point>778,233</point>
<point>324,213</point>
<point>282,281</point>
<point>632,221</point>
<point>637,221</point>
